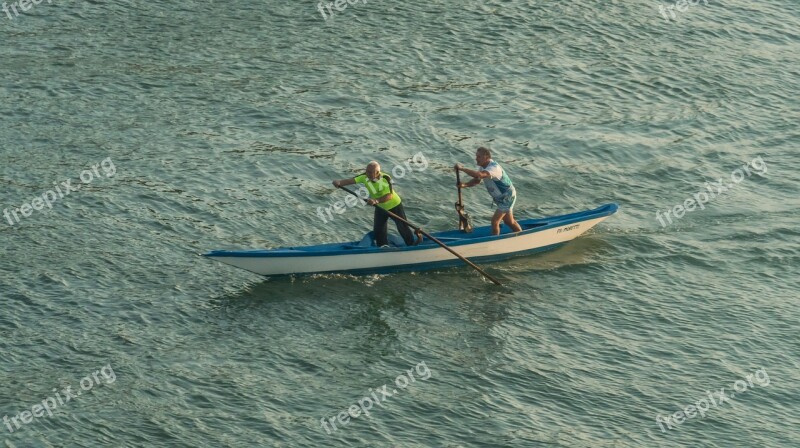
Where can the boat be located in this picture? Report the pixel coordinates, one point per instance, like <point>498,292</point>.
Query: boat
<point>364,258</point>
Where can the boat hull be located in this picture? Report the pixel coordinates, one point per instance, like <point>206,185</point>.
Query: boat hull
<point>479,246</point>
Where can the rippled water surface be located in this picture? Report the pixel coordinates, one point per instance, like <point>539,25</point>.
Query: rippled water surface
<point>221,124</point>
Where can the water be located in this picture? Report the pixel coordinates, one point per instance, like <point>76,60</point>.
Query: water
<point>225,123</point>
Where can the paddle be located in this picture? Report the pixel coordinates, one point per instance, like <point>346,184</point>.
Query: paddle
<point>464,223</point>
<point>432,238</point>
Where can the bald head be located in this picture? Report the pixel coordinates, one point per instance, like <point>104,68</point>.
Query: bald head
<point>373,170</point>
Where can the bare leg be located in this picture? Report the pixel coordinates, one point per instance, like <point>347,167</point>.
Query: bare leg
<point>498,216</point>
<point>511,222</point>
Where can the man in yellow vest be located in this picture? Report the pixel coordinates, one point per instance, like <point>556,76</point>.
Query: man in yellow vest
<point>383,196</point>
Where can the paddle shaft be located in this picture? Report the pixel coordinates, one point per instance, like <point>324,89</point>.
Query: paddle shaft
<point>458,184</point>
<point>432,238</point>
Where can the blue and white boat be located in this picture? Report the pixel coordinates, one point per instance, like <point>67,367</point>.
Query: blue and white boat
<point>362,257</point>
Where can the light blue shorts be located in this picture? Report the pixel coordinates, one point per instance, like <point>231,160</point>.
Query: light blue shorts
<point>507,203</point>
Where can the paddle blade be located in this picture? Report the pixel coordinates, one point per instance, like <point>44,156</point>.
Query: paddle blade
<point>464,221</point>
<point>467,223</point>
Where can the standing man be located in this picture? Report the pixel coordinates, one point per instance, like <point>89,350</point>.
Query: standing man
<point>383,196</point>
<point>499,186</point>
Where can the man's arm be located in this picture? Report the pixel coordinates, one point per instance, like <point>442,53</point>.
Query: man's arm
<point>385,198</point>
<point>343,182</point>
<point>350,181</point>
<point>477,176</point>
<point>471,183</point>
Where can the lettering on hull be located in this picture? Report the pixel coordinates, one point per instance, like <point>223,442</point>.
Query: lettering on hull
<point>568,228</point>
